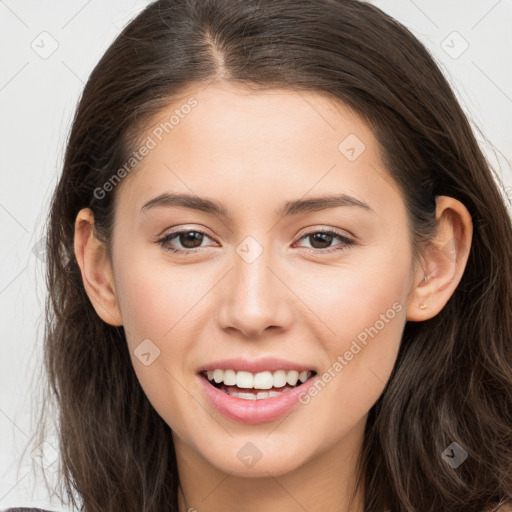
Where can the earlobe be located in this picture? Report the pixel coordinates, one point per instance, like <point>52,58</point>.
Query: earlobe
<point>444,260</point>
<point>96,269</point>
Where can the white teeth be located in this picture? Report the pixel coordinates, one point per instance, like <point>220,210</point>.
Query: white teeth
<point>243,379</point>
<point>260,395</point>
<point>261,380</point>
<point>245,396</point>
<point>279,378</point>
<point>229,378</point>
<point>292,377</point>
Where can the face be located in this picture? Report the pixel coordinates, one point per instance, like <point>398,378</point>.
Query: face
<point>278,283</point>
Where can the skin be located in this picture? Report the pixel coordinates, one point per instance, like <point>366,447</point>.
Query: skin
<point>252,151</point>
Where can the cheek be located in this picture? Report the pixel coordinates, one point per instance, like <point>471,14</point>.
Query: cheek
<point>367,291</point>
<point>161,304</point>
<point>166,305</point>
<point>362,315</point>
<point>155,297</point>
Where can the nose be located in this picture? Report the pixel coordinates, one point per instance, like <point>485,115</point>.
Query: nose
<point>255,298</point>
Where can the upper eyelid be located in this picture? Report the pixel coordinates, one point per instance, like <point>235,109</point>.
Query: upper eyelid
<point>174,234</point>
<point>347,240</point>
<point>186,230</point>
<point>335,232</point>
<point>309,230</point>
<point>170,232</point>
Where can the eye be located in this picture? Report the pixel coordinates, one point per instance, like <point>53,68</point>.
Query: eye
<point>192,239</point>
<point>322,239</point>
<point>189,239</point>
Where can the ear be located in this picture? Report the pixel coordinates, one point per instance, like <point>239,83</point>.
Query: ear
<point>443,260</point>
<point>96,269</point>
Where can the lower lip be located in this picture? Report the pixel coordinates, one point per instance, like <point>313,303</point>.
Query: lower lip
<point>253,411</point>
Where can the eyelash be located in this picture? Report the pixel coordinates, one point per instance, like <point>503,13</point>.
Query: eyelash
<point>346,242</point>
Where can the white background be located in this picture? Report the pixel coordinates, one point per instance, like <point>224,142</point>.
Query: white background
<point>37,99</point>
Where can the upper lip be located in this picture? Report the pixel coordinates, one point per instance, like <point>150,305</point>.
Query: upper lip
<point>259,365</point>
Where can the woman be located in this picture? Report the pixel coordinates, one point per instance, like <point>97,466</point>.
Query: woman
<point>279,272</point>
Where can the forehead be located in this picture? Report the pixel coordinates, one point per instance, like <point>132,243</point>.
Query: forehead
<point>248,146</point>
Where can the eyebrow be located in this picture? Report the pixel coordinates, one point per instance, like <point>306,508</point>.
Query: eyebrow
<point>290,208</point>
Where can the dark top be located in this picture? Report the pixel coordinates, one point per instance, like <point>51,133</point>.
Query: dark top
<point>26,509</point>
<point>23,509</point>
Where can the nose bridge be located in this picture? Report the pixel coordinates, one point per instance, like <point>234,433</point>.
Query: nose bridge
<point>255,298</point>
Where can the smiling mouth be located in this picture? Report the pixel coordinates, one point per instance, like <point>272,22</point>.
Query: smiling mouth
<point>256,386</point>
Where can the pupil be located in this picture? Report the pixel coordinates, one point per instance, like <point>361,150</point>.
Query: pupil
<point>190,237</point>
<point>324,238</point>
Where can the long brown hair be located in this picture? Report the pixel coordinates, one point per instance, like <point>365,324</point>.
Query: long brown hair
<point>452,381</point>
